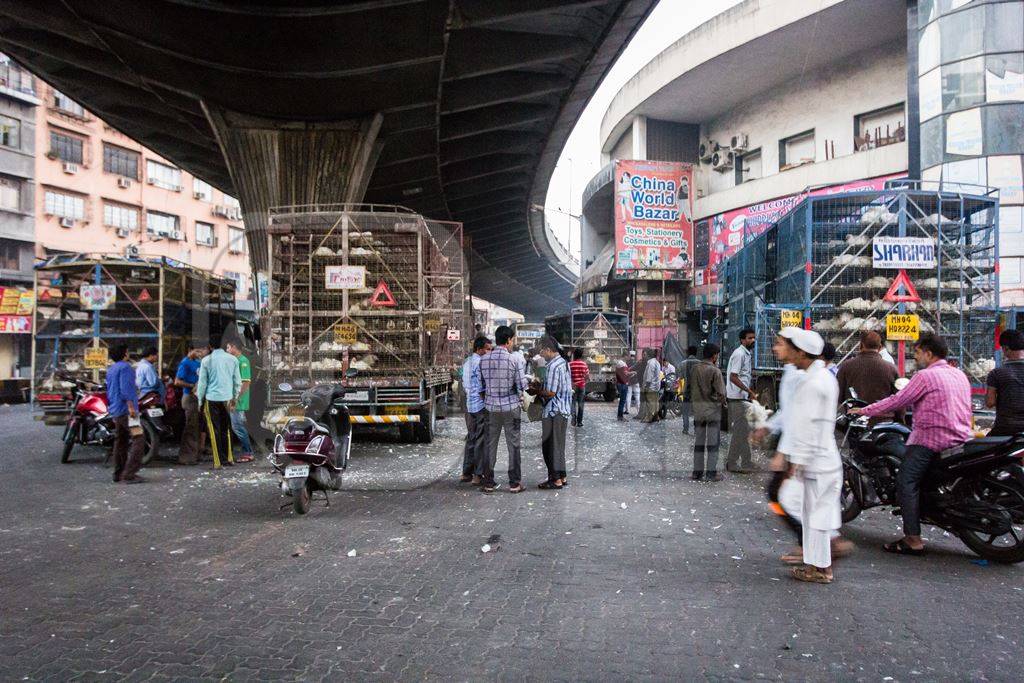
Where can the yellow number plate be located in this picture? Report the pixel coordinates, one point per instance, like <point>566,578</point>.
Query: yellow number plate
<point>791,318</point>
<point>902,327</point>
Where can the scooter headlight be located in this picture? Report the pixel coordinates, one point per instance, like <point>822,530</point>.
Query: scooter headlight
<point>278,443</point>
<point>314,445</point>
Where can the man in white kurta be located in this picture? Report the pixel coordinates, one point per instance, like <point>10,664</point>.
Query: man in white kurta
<point>808,443</point>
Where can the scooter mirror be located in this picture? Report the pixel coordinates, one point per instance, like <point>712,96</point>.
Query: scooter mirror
<point>284,386</point>
<point>853,393</point>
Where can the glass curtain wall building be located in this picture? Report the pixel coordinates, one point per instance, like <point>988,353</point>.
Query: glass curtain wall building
<point>970,73</point>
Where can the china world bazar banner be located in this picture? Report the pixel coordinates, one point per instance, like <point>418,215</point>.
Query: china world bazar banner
<point>653,220</point>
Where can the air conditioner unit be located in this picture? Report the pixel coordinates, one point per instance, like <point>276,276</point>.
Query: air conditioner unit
<point>722,160</point>
<point>176,235</point>
<point>131,251</point>
<point>123,232</point>
<point>707,148</point>
<point>70,167</point>
<point>124,183</point>
<point>198,195</point>
<point>739,143</point>
<point>234,213</point>
<point>220,210</point>
<point>151,181</point>
<point>67,222</point>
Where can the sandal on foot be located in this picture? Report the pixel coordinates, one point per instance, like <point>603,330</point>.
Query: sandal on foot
<point>465,478</point>
<point>901,547</point>
<point>518,488</point>
<point>811,574</point>
<point>549,485</point>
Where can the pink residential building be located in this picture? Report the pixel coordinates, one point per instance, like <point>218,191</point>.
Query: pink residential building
<point>99,191</point>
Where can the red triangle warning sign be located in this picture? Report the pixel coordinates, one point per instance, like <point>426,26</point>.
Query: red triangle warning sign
<point>144,295</point>
<point>382,296</point>
<point>902,280</point>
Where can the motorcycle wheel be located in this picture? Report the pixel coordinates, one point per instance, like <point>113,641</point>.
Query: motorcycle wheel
<point>300,501</point>
<point>69,445</point>
<point>1006,491</point>
<point>152,438</point>
<point>676,407</point>
<point>850,505</point>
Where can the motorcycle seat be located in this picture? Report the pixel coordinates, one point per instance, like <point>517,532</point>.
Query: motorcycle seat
<point>985,443</point>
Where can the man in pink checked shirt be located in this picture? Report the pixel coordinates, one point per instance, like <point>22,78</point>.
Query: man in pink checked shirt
<point>941,399</point>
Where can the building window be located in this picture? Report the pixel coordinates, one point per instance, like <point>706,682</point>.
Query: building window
<point>162,175</point>
<point>64,205</point>
<point>10,132</point>
<point>66,148</point>
<point>236,240</point>
<point>206,234</point>
<point>797,150</point>
<point>66,105</point>
<point>202,191</point>
<point>120,161</point>
<point>10,255</point>
<point>120,216</point>
<point>10,194</point>
<point>879,128</point>
<point>14,77</point>
<point>748,167</point>
<point>163,224</point>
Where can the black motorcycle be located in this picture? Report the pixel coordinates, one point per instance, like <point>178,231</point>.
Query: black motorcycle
<point>670,401</point>
<point>975,491</point>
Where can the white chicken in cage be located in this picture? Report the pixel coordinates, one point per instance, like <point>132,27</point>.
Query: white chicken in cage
<point>360,347</point>
<point>878,214</point>
<point>877,282</point>
<point>365,363</point>
<point>858,240</point>
<point>323,251</point>
<point>981,367</point>
<point>851,260</point>
<point>854,324</point>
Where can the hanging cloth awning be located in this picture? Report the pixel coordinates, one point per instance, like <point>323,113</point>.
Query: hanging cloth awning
<point>595,278</point>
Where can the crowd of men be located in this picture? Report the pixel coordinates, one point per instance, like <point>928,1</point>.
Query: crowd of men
<point>214,381</point>
<point>806,466</point>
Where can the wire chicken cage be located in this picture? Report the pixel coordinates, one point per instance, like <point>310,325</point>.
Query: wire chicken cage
<point>372,288</point>
<point>155,302</point>
<point>817,259</point>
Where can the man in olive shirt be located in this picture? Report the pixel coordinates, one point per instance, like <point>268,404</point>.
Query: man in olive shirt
<point>1006,386</point>
<point>867,373</point>
<point>238,425</point>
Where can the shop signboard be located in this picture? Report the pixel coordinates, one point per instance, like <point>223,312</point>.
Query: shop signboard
<point>903,253</point>
<point>729,231</point>
<point>15,324</point>
<point>345,277</point>
<point>653,220</point>
<point>10,300</point>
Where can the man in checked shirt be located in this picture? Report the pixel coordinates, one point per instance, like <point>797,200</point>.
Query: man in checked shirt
<point>503,375</point>
<point>941,398</point>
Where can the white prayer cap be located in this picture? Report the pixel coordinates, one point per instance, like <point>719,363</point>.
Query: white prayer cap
<point>620,363</point>
<point>790,333</point>
<point>808,341</point>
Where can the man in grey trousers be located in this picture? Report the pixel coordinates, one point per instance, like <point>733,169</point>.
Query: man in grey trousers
<point>739,377</point>
<point>503,374</point>
<point>476,415</point>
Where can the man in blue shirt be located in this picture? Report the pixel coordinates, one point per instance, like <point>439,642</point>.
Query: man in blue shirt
<point>147,379</point>
<point>557,395</point>
<point>123,405</point>
<point>476,414</point>
<point>187,377</point>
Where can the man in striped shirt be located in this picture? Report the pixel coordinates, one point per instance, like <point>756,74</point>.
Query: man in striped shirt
<point>580,372</point>
<point>940,396</point>
<point>503,375</point>
<point>557,393</point>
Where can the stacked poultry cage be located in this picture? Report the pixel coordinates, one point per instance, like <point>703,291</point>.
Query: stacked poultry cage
<point>817,259</point>
<point>400,326</point>
<point>153,302</point>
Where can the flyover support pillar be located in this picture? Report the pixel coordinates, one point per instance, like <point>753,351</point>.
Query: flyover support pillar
<point>282,163</point>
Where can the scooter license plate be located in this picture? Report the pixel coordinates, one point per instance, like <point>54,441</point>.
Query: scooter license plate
<point>155,412</point>
<point>295,471</point>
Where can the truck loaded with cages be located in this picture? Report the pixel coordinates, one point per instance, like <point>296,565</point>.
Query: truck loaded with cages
<point>374,289</point>
<point>832,260</point>
<point>604,336</point>
<point>87,303</point>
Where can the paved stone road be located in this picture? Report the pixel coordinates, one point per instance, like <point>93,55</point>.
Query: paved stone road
<point>634,572</point>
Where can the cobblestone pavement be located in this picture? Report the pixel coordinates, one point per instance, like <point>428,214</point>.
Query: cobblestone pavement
<point>634,572</point>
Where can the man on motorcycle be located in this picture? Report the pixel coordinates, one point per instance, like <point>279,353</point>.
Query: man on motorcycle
<point>940,396</point>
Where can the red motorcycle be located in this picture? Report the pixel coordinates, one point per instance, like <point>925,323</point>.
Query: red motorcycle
<point>89,423</point>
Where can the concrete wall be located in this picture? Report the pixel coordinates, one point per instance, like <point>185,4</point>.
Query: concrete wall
<point>827,101</point>
<point>97,186</point>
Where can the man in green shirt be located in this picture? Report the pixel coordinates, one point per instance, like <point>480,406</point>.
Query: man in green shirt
<point>218,387</point>
<point>242,403</point>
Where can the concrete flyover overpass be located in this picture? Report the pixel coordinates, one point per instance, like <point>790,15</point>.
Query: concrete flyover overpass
<point>457,109</point>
